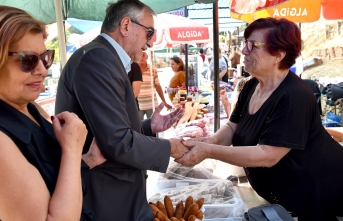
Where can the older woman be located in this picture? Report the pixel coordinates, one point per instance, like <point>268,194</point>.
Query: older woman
<point>275,130</point>
<point>179,78</point>
<point>40,162</point>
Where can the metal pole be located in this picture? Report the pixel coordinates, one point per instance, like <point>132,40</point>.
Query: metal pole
<point>61,34</point>
<point>186,65</point>
<point>216,67</point>
<point>237,36</point>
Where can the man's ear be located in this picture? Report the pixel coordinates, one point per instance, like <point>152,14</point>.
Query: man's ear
<point>125,25</point>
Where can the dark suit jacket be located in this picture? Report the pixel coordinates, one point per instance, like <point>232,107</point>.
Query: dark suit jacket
<point>95,86</point>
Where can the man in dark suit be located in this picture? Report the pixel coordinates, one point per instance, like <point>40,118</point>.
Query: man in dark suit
<point>94,85</point>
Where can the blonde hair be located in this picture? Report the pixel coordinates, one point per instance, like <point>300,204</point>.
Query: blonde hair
<point>14,24</point>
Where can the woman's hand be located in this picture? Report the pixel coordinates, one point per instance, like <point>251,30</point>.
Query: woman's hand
<point>199,151</point>
<point>94,156</point>
<point>209,140</point>
<point>70,132</point>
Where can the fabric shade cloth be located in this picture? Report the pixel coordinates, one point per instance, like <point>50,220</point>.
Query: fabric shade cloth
<point>93,10</point>
<point>294,10</point>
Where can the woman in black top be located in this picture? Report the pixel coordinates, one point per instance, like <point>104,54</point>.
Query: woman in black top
<point>276,132</point>
<point>136,78</point>
<point>40,162</point>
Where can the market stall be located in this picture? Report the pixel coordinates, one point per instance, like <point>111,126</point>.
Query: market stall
<point>224,200</point>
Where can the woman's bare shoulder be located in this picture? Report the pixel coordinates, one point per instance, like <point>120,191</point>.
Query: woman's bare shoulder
<point>21,184</point>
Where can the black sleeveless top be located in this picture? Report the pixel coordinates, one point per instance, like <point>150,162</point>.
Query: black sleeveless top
<point>38,144</point>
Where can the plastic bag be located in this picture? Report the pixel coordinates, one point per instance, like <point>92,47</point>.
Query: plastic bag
<point>194,128</point>
<point>176,171</point>
<point>334,91</point>
<point>204,170</point>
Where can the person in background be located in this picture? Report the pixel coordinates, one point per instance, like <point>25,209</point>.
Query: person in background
<point>179,78</point>
<point>275,130</point>
<point>223,66</point>
<point>202,55</point>
<point>238,87</point>
<point>225,101</point>
<point>145,96</point>
<point>94,84</point>
<point>136,78</point>
<point>40,161</point>
<point>235,57</point>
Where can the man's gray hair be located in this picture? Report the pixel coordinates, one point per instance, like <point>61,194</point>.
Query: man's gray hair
<point>115,12</point>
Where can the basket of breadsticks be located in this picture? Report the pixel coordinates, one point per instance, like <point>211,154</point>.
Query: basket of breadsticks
<point>188,210</point>
<point>219,196</point>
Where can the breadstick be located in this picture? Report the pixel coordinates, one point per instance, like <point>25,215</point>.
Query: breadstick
<point>179,210</point>
<point>173,219</point>
<point>200,202</point>
<point>169,206</point>
<point>157,219</point>
<point>161,216</point>
<point>189,202</point>
<point>199,215</point>
<point>181,219</point>
<point>191,218</point>
<point>161,207</point>
<point>192,210</point>
<point>153,208</point>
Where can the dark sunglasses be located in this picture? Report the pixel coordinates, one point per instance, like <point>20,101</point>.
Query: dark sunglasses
<point>149,30</point>
<point>252,44</point>
<point>29,60</point>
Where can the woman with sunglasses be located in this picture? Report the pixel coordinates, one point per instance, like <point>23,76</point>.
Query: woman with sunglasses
<point>39,162</point>
<point>275,131</point>
<point>179,78</point>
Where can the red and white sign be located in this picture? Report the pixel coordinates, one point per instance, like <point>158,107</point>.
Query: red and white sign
<point>169,29</point>
<point>181,30</point>
<point>189,34</point>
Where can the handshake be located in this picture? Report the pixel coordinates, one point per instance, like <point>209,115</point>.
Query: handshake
<point>192,151</point>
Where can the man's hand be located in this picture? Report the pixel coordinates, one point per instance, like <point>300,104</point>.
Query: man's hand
<point>169,107</point>
<point>160,122</point>
<point>94,156</point>
<point>177,148</point>
<point>199,152</point>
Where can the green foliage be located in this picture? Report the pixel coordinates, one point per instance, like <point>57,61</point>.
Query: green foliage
<point>53,44</point>
<point>224,33</point>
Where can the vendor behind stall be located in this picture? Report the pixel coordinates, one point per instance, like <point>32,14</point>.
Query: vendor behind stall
<point>276,130</point>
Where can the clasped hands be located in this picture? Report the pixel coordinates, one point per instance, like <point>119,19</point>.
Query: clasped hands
<point>192,151</point>
<point>186,152</point>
